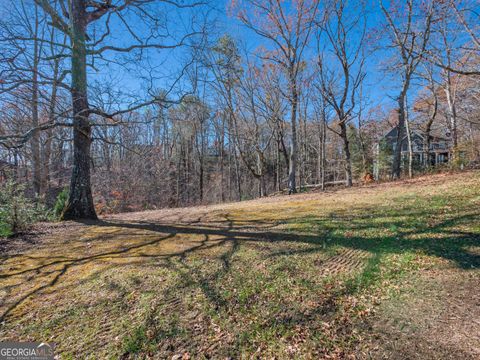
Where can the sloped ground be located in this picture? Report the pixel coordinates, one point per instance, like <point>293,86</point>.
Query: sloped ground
<point>384,271</point>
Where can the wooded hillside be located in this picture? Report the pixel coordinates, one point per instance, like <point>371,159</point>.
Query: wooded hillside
<point>132,105</point>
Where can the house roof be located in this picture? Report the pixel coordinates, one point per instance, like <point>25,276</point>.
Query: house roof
<point>435,133</point>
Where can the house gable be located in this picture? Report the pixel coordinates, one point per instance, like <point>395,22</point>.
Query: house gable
<point>418,140</point>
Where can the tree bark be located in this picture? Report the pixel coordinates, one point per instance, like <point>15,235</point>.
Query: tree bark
<point>277,167</point>
<point>347,155</point>
<point>452,115</point>
<point>410,146</point>
<point>292,186</point>
<point>80,202</point>
<point>397,154</point>
<point>47,149</point>
<point>428,128</point>
<point>201,175</point>
<point>323,148</point>
<point>222,155</point>
<point>426,160</point>
<point>36,136</point>
<point>238,176</point>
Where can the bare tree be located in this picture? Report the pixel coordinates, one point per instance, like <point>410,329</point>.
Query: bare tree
<point>429,106</point>
<point>224,61</point>
<point>288,27</point>
<point>274,108</point>
<point>444,51</point>
<point>74,18</point>
<point>467,19</point>
<point>409,38</point>
<point>340,87</point>
<point>254,119</point>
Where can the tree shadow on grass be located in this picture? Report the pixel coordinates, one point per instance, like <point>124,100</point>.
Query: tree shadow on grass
<point>437,240</point>
<point>440,239</point>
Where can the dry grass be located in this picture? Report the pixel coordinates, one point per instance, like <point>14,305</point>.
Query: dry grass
<point>306,276</point>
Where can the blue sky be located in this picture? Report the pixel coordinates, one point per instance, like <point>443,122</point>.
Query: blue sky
<point>163,65</point>
<point>380,86</point>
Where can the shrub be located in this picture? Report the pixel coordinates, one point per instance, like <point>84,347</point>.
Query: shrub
<point>60,203</point>
<point>17,212</point>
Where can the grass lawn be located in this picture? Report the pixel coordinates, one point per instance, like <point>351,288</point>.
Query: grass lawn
<point>384,271</point>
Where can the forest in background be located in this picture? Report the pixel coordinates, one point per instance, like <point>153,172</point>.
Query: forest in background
<point>134,105</point>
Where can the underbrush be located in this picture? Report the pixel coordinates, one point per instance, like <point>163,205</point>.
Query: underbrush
<point>17,212</point>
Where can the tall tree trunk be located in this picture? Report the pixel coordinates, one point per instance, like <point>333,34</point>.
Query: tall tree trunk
<point>262,187</point>
<point>222,155</point>
<point>201,179</point>
<point>15,163</point>
<point>47,149</point>
<point>46,156</point>
<point>452,115</point>
<point>475,149</point>
<point>305,157</point>
<point>230,188</point>
<point>36,135</point>
<point>292,186</point>
<point>187,164</point>
<point>346,154</point>
<point>397,154</point>
<point>428,128</point>
<point>410,146</point>
<point>363,148</point>
<point>323,149</point>
<point>236,150</point>
<point>277,167</point>
<point>238,176</point>
<point>178,175</point>
<point>426,149</point>
<point>80,201</point>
